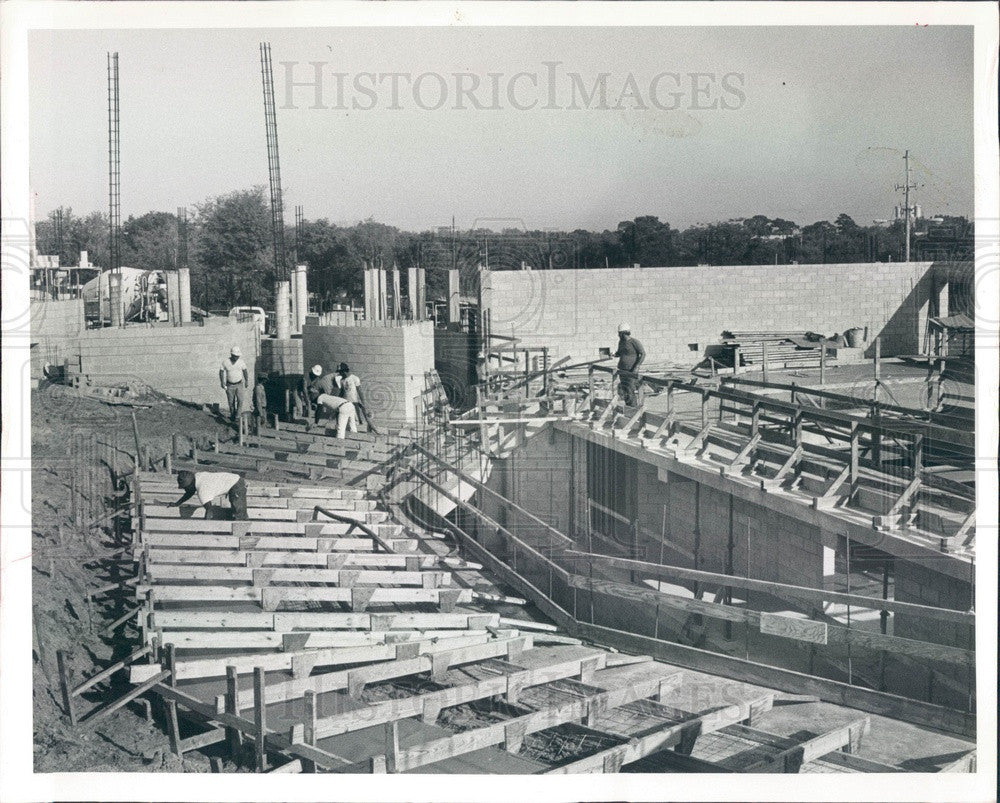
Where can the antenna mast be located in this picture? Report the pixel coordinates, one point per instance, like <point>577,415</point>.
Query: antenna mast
<point>114,169</point>
<point>906,186</point>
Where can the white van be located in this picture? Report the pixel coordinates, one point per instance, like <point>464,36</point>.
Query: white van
<point>255,314</point>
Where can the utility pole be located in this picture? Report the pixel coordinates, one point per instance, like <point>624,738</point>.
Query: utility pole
<point>906,186</point>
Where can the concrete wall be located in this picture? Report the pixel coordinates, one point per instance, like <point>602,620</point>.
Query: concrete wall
<point>55,328</point>
<point>455,360</point>
<point>179,361</point>
<point>576,312</point>
<point>391,362</point>
<point>283,357</point>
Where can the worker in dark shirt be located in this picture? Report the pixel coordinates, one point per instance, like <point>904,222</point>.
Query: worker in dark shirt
<point>630,355</point>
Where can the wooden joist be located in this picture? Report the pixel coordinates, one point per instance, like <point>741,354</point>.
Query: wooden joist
<point>302,639</point>
<point>270,597</point>
<point>289,622</point>
<point>429,704</point>
<point>795,628</point>
<point>408,661</point>
<point>670,735</point>
<point>268,576</point>
<point>578,702</point>
<point>255,543</point>
<point>791,759</point>
<point>847,760</point>
<point>301,661</point>
<point>258,558</point>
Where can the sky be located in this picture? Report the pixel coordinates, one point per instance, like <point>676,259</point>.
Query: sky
<point>696,124</point>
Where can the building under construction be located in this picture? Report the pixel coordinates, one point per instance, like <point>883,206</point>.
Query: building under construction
<point>765,565</point>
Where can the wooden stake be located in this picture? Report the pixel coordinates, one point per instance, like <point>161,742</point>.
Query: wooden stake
<point>260,719</point>
<point>173,728</point>
<point>65,685</point>
<point>232,734</point>
<point>309,736</point>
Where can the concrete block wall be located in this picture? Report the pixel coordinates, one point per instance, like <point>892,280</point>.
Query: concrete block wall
<point>55,327</point>
<point>576,312</point>
<point>922,586</point>
<point>455,359</point>
<point>180,361</point>
<point>391,362</point>
<point>283,357</point>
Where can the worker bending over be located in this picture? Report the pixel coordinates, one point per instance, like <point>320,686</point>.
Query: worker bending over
<point>211,486</point>
<point>346,413</point>
<point>350,389</point>
<point>630,355</point>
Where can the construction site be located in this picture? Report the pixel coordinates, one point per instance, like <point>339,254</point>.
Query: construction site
<point>754,553</point>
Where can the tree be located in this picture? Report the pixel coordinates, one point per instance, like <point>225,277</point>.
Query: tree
<point>647,241</point>
<point>233,248</point>
<point>150,241</point>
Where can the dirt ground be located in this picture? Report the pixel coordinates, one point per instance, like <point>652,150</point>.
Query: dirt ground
<point>66,567</point>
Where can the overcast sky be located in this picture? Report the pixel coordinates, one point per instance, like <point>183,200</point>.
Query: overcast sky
<point>800,123</point>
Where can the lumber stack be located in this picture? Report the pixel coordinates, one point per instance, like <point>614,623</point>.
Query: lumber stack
<point>781,350</point>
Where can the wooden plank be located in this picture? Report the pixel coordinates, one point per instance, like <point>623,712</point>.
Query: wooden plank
<point>201,740</point>
<point>904,498</point>
<point>668,736</point>
<point>847,760</point>
<point>324,620</point>
<point>142,688</point>
<point>236,557</point>
<point>258,514</point>
<point>781,589</point>
<point>776,624</point>
<point>260,577</point>
<point>792,758</point>
<point>302,639</point>
<point>790,462</point>
<point>459,694</point>
<point>451,654</point>
<point>785,626</point>
<point>335,656</point>
<point>478,738</point>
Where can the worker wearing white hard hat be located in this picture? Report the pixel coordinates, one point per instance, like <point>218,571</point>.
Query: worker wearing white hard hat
<point>630,355</point>
<point>234,376</point>
<point>321,384</point>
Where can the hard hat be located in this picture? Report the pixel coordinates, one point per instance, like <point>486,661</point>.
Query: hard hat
<point>317,370</point>
<point>235,351</point>
<point>624,327</point>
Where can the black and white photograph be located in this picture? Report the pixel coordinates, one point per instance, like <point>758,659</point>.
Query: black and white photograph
<point>499,389</point>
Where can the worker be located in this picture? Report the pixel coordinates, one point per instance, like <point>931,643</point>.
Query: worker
<point>350,389</point>
<point>630,355</point>
<point>259,405</point>
<point>347,415</point>
<point>320,383</point>
<point>210,487</point>
<point>232,375</point>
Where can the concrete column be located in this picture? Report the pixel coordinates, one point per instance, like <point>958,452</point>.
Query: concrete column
<point>411,289</point>
<point>383,312</point>
<point>184,278</point>
<point>370,306</point>
<point>115,298</point>
<point>282,324</point>
<point>422,293</point>
<point>454,310</point>
<point>396,307</point>
<point>293,297</point>
<point>173,296</point>
<point>301,292</point>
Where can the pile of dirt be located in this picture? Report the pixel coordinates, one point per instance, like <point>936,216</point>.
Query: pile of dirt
<point>68,563</point>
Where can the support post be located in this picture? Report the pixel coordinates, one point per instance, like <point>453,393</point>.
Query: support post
<point>260,719</point>
<point>65,685</point>
<point>233,740</point>
<point>391,745</point>
<point>454,298</point>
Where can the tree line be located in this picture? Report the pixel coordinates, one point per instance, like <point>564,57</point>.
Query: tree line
<point>228,246</point>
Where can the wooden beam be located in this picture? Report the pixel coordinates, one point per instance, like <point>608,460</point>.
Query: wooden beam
<point>569,711</point>
<point>326,620</point>
<point>304,639</point>
<point>215,667</point>
<point>785,626</point>
<point>260,577</point>
<point>792,758</point>
<point>459,694</point>
<point>406,664</point>
<point>666,737</point>
<point>846,760</point>
<point>780,589</point>
<point>792,460</point>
